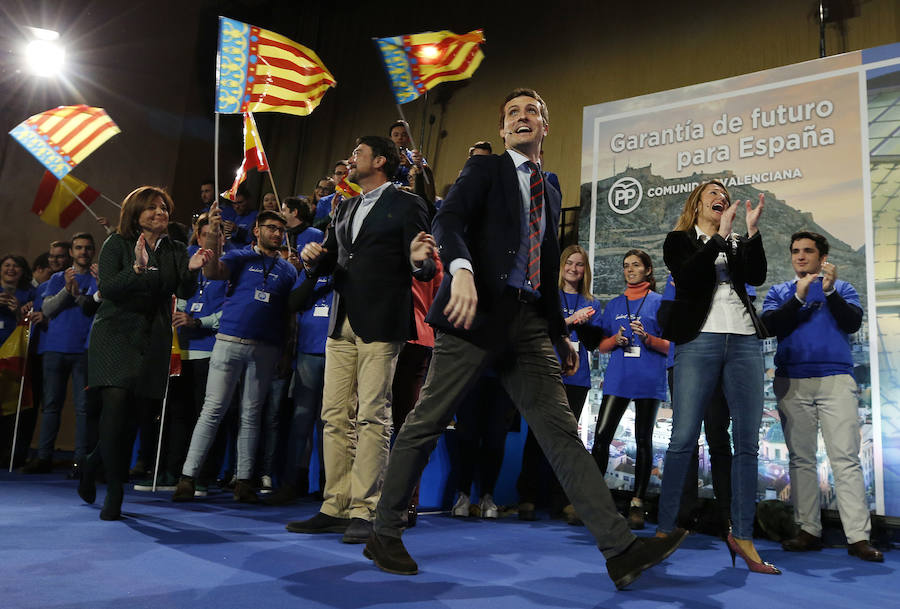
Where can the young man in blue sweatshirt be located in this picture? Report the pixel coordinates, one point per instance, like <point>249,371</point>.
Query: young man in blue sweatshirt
<point>248,344</point>
<point>813,316</point>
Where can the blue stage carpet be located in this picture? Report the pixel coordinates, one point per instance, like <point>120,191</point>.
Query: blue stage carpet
<point>56,553</point>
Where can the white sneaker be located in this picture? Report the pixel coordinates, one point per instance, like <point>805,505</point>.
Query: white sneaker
<point>461,507</point>
<point>265,485</point>
<point>488,507</point>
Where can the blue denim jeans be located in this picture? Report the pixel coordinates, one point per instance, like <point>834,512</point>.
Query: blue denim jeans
<point>699,364</point>
<point>229,363</point>
<point>309,382</point>
<point>57,368</point>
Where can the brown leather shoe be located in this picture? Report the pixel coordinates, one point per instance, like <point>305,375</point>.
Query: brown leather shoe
<point>803,542</point>
<point>864,550</point>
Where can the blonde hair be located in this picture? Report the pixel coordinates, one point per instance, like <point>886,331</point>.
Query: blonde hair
<point>584,285</point>
<point>688,217</point>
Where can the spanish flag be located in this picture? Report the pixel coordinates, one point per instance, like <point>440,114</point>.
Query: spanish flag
<point>261,71</point>
<point>175,358</point>
<point>254,156</point>
<point>416,63</point>
<point>56,202</point>
<point>347,189</point>
<point>13,353</point>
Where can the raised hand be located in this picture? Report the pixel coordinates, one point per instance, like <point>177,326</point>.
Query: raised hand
<point>727,220</point>
<point>829,276</point>
<point>420,248</point>
<point>199,259</point>
<point>71,284</point>
<point>637,328</point>
<point>753,215</point>
<point>141,257</point>
<point>580,316</point>
<point>311,253</point>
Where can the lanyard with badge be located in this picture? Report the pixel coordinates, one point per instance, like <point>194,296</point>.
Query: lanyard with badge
<point>321,308</point>
<point>202,282</point>
<point>632,350</point>
<point>570,311</point>
<point>262,294</point>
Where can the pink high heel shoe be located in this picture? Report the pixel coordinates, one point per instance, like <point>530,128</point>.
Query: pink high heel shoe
<point>756,567</point>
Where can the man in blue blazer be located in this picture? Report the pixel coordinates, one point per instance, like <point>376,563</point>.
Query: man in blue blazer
<point>499,305</point>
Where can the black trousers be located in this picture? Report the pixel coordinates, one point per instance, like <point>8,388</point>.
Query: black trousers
<point>612,408</point>
<point>529,371</point>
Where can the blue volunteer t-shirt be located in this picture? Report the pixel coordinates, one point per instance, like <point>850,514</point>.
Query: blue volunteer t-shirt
<point>243,230</point>
<point>312,322</point>
<point>68,330</point>
<point>634,377</point>
<point>571,303</point>
<point>323,207</point>
<point>257,295</point>
<point>308,235</point>
<point>817,346</point>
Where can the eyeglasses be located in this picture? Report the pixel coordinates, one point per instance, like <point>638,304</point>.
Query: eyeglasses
<point>273,228</point>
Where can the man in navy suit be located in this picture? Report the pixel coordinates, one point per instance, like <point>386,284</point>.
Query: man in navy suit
<point>499,305</point>
<point>375,246</point>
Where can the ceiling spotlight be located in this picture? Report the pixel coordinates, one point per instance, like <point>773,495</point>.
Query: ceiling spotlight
<point>44,55</point>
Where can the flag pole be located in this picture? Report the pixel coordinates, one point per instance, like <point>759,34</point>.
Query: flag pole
<point>216,158</point>
<point>424,120</point>
<point>110,200</point>
<point>162,416</point>
<point>12,450</point>
<point>411,141</point>
<point>85,205</point>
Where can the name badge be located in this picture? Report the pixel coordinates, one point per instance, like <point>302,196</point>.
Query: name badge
<point>320,311</point>
<point>632,351</point>
<point>2,324</point>
<point>196,307</point>
<point>261,296</point>
<point>575,344</point>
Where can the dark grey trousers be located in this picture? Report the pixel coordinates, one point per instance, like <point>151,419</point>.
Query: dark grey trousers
<point>530,373</point>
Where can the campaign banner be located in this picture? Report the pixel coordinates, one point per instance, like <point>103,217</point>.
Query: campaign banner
<point>801,135</point>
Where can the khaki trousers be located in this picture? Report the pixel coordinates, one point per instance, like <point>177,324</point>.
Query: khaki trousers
<point>356,419</point>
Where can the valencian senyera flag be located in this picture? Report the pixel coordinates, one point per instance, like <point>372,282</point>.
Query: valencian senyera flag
<point>63,137</point>
<point>418,62</point>
<point>261,71</point>
<point>13,352</point>
<point>56,201</point>
<point>254,156</point>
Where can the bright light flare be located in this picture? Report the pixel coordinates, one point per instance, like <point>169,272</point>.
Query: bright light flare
<point>429,52</point>
<point>44,56</point>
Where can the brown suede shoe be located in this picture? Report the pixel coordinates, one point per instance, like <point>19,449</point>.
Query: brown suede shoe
<point>803,542</point>
<point>864,550</point>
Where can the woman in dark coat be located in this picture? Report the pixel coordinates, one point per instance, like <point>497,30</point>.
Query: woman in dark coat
<point>716,330</point>
<point>140,269</point>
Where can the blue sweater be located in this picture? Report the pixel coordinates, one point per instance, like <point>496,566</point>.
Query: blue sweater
<point>813,337</point>
<point>256,301</point>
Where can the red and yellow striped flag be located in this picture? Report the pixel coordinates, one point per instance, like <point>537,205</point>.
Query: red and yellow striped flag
<point>254,156</point>
<point>58,205</point>
<point>347,189</point>
<point>13,353</point>
<point>63,137</point>
<point>418,62</point>
<point>261,71</point>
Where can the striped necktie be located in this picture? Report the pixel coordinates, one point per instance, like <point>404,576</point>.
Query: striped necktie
<point>535,210</point>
